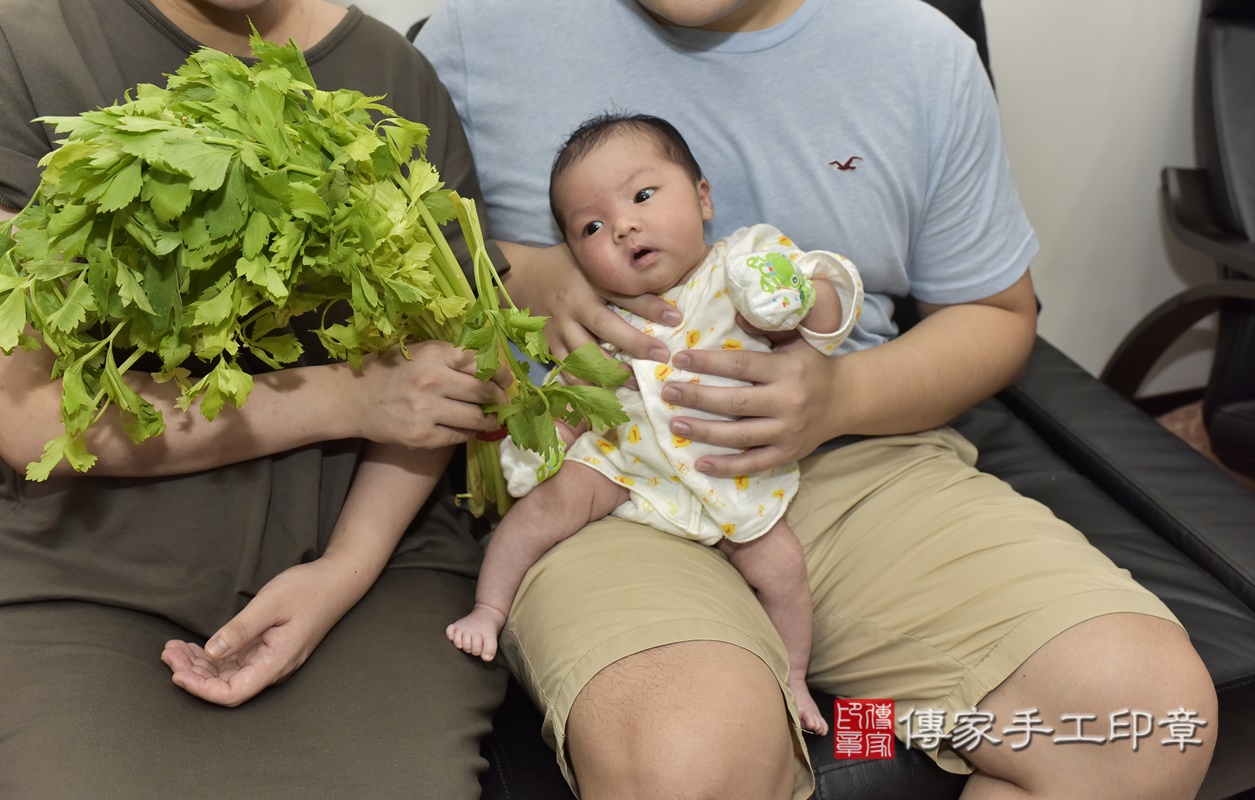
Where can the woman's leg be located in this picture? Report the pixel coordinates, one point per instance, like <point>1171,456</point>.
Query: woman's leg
<point>382,707</point>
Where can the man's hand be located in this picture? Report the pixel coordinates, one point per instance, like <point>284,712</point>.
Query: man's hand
<point>547,281</point>
<point>779,418</point>
<point>955,357</point>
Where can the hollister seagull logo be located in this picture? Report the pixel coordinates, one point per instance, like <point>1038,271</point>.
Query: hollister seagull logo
<point>848,165</point>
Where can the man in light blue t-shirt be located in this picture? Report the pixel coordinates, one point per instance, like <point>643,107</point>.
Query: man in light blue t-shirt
<point>867,127</point>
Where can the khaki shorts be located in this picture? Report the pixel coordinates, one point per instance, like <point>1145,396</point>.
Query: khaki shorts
<point>932,583</point>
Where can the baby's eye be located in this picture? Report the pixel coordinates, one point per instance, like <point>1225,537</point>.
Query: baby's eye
<point>643,195</point>
<point>592,227</point>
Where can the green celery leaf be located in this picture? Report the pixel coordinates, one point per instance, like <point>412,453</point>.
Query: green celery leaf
<point>204,163</point>
<point>226,211</point>
<point>12,319</point>
<point>256,233</point>
<point>73,312</point>
<point>588,362</point>
<point>259,272</point>
<point>305,201</point>
<point>130,291</point>
<point>361,148</point>
<point>65,446</point>
<point>599,406</point>
<point>75,397</point>
<point>139,418</point>
<point>168,194</point>
<point>123,187</point>
<point>216,309</point>
<point>440,204</point>
<point>278,350</point>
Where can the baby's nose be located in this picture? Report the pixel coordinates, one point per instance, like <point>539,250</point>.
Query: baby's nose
<point>626,225</point>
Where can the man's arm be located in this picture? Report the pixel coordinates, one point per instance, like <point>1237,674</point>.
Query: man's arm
<point>957,356</point>
<point>546,280</point>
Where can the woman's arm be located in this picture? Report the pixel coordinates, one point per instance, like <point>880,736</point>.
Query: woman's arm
<point>955,357</point>
<point>279,629</point>
<point>430,401</point>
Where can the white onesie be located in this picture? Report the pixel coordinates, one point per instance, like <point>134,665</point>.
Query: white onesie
<point>643,455</point>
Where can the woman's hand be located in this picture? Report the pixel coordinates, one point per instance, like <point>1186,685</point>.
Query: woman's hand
<point>431,401</point>
<point>547,281</point>
<point>783,416</point>
<point>270,639</point>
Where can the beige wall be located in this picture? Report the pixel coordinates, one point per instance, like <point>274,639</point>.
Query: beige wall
<point>1095,99</point>
<point>400,14</point>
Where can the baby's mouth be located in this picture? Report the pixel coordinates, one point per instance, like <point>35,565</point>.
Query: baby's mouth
<point>640,254</point>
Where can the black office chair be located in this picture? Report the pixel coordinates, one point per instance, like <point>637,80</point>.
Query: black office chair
<point>412,33</point>
<point>1212,210</point>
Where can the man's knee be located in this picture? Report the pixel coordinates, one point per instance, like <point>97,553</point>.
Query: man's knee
<point>695,719</point>
<point>1142,681</point>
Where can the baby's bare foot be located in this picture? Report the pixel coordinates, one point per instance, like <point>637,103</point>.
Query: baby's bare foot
<point>807,709</point>
<point>476,633</point>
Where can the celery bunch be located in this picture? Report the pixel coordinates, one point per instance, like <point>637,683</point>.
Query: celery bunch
<point>195,221</point>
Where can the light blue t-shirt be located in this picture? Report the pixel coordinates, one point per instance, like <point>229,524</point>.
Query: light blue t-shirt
<point>865,127</point>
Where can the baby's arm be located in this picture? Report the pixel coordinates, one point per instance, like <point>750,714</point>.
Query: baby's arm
<point>818,293</point>
<point>826,315</point>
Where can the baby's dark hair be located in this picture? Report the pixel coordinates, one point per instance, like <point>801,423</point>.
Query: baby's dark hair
<point>595,131</point>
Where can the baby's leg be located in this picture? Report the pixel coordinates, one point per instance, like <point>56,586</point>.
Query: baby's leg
<point>557,508</point>
<point>773,564</point>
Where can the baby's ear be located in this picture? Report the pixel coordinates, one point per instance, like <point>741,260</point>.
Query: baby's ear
<point>703,194</point>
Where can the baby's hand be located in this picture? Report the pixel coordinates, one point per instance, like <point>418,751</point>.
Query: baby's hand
<point>769,291</point>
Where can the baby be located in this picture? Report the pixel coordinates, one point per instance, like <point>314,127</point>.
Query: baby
<point>631,201</point>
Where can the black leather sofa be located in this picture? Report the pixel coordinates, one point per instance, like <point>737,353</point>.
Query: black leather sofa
<point>1181,526</point>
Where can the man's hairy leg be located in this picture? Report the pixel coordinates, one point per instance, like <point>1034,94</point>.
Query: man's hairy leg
<point>693,719</point>
<point>1101,666</point>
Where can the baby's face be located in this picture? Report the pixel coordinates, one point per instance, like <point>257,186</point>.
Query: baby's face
<point>633,218</point>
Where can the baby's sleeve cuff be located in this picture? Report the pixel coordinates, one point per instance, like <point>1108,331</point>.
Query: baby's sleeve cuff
<point>843,276</point>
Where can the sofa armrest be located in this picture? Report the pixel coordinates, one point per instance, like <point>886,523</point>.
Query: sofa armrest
<point>1167,485</point>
